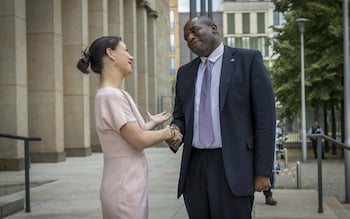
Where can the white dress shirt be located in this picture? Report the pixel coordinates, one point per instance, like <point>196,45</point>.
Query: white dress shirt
<point>216,58</point>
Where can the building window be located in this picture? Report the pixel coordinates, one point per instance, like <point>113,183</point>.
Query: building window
<point>247,0</point>
<point>263,46</point>
<point>172,66</point>
<point>276,18</point>
<point>253,43</point>
<point>261,22</point>
<point>230,41</point>
<point>172,42</point>
<point>282,19</point>
<point>231,23</point>
<point>246,23</point>
<point>172,19</point>
<point>238,42</point>
<point>245,42</point>
<point>173,85</point>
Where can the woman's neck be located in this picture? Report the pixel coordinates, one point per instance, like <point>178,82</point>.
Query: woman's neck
<point>111,78</point>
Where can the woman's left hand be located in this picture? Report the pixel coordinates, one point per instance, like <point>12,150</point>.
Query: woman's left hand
<point>158,118</point>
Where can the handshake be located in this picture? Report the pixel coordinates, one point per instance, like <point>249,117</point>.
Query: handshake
<point>175,140</point>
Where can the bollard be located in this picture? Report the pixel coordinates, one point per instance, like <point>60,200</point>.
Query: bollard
<point>285,157</point>
<point>298,175</point>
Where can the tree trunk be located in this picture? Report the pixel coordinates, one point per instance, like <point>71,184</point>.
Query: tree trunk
<point>325,121</point>
<point>334,131</point>
<point>342,119</point>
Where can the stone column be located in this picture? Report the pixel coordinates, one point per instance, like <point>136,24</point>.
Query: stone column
<point>116,17</point>
<point>45,79</point>
<point>76,84</point>
<point>13,83</point>
<point>163,42</point>
<point>130,38</point>
<point>142,58</point>
<point>98,26</point>
<point>152,64</point>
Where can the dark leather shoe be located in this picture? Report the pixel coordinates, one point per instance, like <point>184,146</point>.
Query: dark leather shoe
<point>270,201</point>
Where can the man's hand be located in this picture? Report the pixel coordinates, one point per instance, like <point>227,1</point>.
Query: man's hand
<point>176,140</point>
<point>261,183</point>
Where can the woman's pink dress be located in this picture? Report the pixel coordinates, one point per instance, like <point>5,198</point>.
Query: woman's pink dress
<point>124,186</point>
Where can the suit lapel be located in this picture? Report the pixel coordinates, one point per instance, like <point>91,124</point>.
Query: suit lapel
<point>227,69</point>
<point>191,77</point>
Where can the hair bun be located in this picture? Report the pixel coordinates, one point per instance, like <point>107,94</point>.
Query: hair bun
<point>84,62</point>
<point>86,56</point>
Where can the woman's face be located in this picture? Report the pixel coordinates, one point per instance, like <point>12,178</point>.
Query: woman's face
<point>123,58</point>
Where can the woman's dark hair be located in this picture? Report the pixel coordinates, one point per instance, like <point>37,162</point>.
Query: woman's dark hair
<point>93,56</point>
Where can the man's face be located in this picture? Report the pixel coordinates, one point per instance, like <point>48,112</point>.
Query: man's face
<point>201,38</point>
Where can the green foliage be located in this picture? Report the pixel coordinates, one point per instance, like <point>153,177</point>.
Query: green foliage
<point>323,54</point>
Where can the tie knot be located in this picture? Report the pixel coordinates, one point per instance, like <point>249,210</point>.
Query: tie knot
<point>208,64</point>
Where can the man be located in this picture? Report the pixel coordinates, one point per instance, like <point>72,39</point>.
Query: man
<point>316,129</point>
<point>220,170</point>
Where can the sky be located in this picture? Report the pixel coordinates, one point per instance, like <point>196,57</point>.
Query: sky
<point>184,5</point>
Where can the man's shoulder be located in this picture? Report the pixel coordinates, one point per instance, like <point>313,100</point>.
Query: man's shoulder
<point>241,50</point>
<point>190,64</point>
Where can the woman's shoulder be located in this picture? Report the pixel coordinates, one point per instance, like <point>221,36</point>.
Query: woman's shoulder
<point>108,91</point>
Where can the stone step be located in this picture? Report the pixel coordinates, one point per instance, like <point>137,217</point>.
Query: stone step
<point>11,203</point>
<point>7,189</point>
<point>339,209</point>
<point>12,197</point>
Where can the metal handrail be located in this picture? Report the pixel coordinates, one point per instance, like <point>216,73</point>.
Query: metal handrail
<point>26,163</point>
<point>319,164</point>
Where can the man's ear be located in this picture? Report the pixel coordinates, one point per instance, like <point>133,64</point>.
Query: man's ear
<point>109,53</point>
<point>214,28</point>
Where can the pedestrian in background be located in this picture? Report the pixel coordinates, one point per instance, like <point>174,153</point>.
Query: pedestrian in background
<point>316,129</point>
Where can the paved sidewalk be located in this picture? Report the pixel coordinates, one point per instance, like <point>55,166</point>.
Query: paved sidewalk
<point>71,189</point>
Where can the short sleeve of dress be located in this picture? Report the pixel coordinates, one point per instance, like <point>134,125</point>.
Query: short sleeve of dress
<point>115,110</point>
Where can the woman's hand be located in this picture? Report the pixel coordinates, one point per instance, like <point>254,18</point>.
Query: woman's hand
<point>157,119</point>
<point>176,138</point>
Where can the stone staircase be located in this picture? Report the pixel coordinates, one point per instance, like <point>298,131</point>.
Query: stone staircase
<point>12,197</point>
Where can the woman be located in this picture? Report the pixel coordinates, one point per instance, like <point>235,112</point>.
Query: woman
<point>122,132</point>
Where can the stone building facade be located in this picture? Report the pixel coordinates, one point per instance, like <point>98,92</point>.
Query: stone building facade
<point>42,94</point>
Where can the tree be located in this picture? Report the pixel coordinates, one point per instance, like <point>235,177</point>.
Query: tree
<point>323,46</point>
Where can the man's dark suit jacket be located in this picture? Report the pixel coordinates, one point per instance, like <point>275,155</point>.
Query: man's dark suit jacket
<point>247,117</point>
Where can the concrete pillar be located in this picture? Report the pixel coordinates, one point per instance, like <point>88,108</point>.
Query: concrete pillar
<point>98,26</point>
<point>130,38</point>
<point>152,64</point>
<point>116,17</point>
<point>13,83</point>
<point>142,58</point>
<point>76,85</point>
<point>163,43</point>
<point>45,79</point>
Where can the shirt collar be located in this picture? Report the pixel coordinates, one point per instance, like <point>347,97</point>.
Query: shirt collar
<point>215,55</point>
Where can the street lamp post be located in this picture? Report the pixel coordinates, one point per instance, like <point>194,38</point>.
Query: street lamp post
<point>346,99</point>
<point>301,22</point>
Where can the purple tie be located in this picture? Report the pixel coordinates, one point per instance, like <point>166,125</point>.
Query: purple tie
<point>206,133</point>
